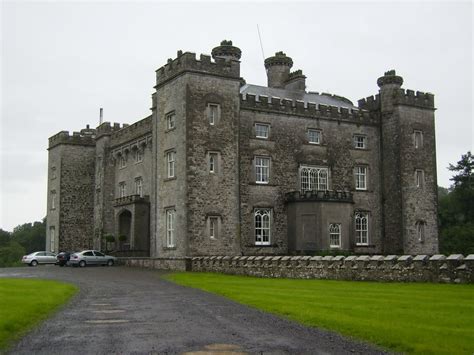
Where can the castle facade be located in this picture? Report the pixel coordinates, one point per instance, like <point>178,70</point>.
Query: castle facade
<point>222,167</point>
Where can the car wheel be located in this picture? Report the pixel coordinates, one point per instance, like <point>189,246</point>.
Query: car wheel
<point>34,263</point>
<point>61,264</point>
<point>110,263</point>
<point>82,263</point>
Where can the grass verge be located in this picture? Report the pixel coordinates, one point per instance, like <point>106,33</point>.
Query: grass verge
<point>25,302</point>
<point>404,317</point>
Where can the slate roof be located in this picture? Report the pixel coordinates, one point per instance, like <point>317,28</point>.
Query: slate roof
<point>324,99</point>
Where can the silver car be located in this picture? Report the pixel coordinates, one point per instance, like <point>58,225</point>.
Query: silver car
<point>91,257</point>
<point>39,257</point>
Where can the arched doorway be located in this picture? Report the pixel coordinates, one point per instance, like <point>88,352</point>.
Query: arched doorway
<point>125,228</point>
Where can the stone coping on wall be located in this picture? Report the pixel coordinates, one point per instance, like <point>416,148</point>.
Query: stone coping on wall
<point>454,268</point>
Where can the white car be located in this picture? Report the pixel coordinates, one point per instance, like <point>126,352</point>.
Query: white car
<point>91,257</point>
<point>39,257</point>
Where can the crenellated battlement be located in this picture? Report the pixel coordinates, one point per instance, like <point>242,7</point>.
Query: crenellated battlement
<point>188,62</point>
<point>412,98</point>
<point>85,137</point>
<point>129,132</point>
<point>107,128</point>
<point>371,103</point>
<point>304,109</point>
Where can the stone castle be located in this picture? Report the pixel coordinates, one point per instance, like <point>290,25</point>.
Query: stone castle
<point>222,167</point>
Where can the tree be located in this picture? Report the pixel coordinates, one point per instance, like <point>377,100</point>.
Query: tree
<point>456,209</point>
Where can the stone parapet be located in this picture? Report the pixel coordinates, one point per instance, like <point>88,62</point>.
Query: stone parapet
<point>305,109</point>
<point>392,268</point>
<point>176,264</point>
<point>187,62</point>
<point>76,138</point>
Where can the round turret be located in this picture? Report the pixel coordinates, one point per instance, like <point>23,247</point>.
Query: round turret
<point>279,58</point>
<point>227,51</point>
<point>390,78</point>
<point>278,70</point>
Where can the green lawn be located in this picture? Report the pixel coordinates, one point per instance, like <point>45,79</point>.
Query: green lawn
<point>405,317</point>
<point>25,302</point>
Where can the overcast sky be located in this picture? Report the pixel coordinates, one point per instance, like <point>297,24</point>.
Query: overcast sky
<point>62,61</point>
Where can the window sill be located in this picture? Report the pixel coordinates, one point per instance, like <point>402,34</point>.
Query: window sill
<point>169,248</point>
<point>170,178</point>
<point>169,129</point>
<point>262,246</point>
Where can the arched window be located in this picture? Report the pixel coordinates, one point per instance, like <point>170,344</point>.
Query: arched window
<point>262,226</point>
<point>362,228</point>
<point>313,178</point>
<point>420,231</point>
<point>335,235</point>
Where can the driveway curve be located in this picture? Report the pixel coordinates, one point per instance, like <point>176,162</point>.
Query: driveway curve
<point>134,311</point>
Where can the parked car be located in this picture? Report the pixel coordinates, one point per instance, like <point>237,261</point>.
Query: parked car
<point>62,258</point>
<point>91,257</point>
<point>39,257</point>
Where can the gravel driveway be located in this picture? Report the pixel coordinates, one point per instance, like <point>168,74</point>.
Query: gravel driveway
<point>133,311</point>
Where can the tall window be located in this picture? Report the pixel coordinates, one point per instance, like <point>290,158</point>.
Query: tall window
<point>53,199</point>
<point>53,172</point>
<point>139,186</point>
<point>170,120</point>
<point>314,136</point>
<point>170,237</point>
<point>123,161</point>
<point>170,158</point>
<point>313,178</point>
<point>420,231</point>
<point>262,226</point>
<point>213,162</point>
<point>213,227</point>
<point>335,235</point>
<point>419,178</point>
<point>362,228</point>
<point>361,178</point>
<point>262,170</point>
<point>418,139</point>
<point>52,238</point>
<point>212,113</point>
<point>138,156</point>
<point>360,142</point>
<point>122,189</point>
<point>262,130</point>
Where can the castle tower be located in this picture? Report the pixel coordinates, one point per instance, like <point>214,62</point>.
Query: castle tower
<point>278,70</point>
<point>70,208</point>
<point>195,209</point>
<point>408,168</point>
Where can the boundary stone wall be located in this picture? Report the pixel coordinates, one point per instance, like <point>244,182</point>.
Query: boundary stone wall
<point>392,268</point>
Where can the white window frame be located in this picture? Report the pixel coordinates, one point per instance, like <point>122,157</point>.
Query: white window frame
<point>314,136</point>
<point>122,189</point>
<point>138,156</point>
<point>139,186</point>
<point>52,238</point>
<point>334,231</point>
<point>420,231</point>
<point>213,113</point>
<point>262,226</point>
<point>213,227</point>
<point>262,130</point>
<point>361,177</point>
<point>361,221</point>
<point>419,178</point>
<point>170,120</point>
<point>314,178</point>
<point>213,160</point>
<point>418,139</point>
<point>262,169</point>
<point>170,228</point>
<point>360,141</point>
<point>171,164</point>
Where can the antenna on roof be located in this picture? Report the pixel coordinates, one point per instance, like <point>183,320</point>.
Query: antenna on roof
<point>101,112</point>
<point>260,38</point>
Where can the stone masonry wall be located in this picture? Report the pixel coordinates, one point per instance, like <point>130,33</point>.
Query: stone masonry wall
<point>392,268</point>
